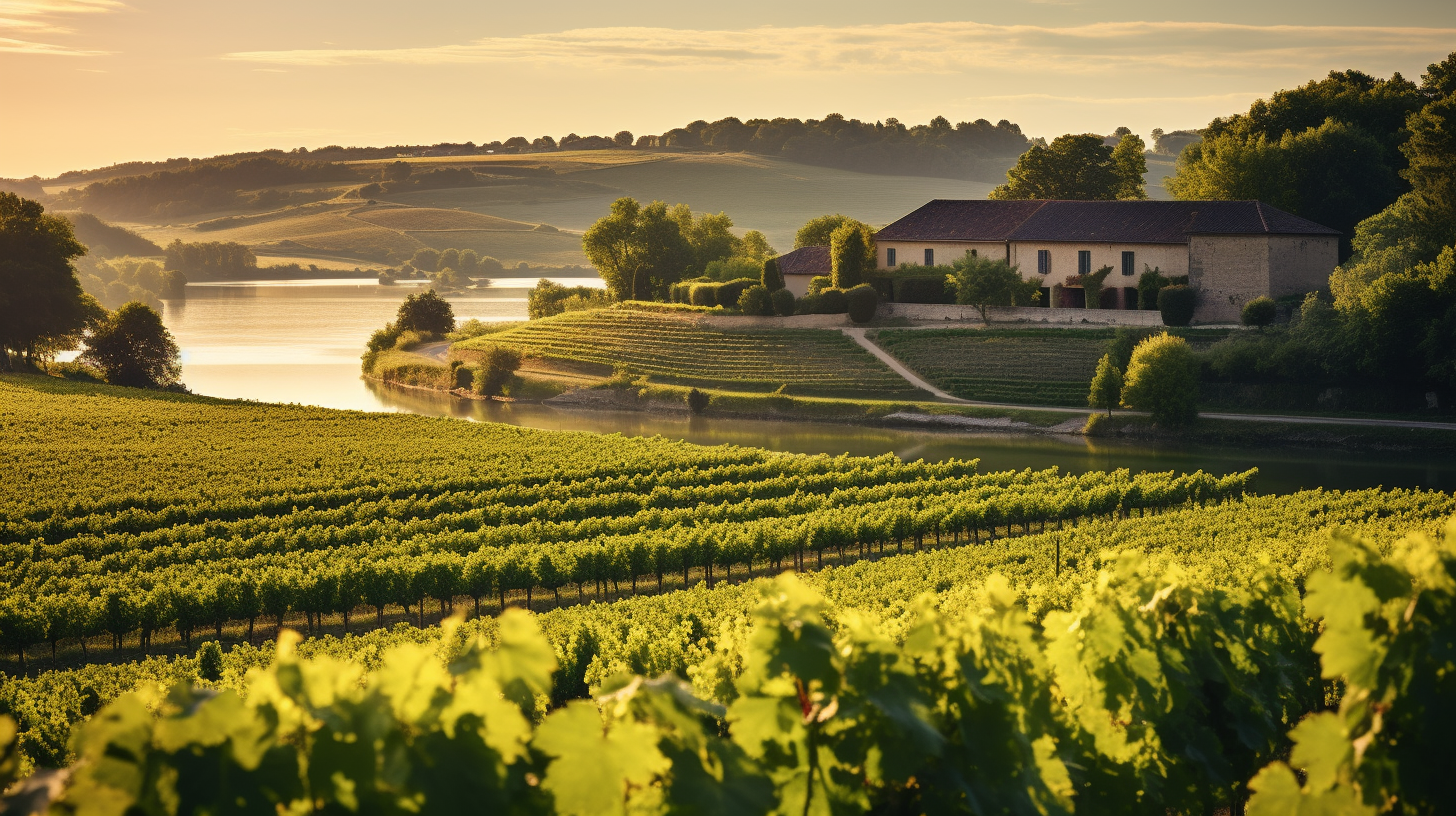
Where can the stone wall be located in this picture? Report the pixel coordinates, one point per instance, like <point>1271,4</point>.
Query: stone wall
<point>1300,264</point>
<point>1228,271</point>
<point>1029,315</point>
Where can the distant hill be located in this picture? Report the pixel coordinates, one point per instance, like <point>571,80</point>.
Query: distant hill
<point>27,188</point>
<point>107,240</point>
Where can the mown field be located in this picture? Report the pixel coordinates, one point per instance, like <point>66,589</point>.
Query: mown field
<point>1018,366</point>
<point>675,350</point>
<point>147,522</point>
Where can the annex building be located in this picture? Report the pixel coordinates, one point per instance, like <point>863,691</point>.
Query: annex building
<point>1231,251</point>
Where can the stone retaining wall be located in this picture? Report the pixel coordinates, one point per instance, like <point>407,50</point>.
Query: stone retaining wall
<point>1030,315</point>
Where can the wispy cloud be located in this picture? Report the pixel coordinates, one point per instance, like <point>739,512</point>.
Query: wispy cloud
<point>32,17</point>
<point>912,48</point>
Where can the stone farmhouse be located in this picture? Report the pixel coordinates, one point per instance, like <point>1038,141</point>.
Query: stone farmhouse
<point>802,264</point>
<point>1231,251</point>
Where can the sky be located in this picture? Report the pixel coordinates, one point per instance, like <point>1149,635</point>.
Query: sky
<point>88,83</point>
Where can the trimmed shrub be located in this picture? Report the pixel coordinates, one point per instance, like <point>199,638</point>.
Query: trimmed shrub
<point>755,301</point>
<point>861,303</point>
<point>498,365</point>
<point>829,301</point>
<point>771,278</point>
<point>783,302</point>
<point>728,293</point>
<point>819,283</point>
<point>1259,312</point>
<point>703,294</point>
<point>921,289</point>
<point>1177,304</point>
<point>1162,379</point>
<point>697,401</point>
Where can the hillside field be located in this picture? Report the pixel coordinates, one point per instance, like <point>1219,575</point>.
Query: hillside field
<point>673,349</point>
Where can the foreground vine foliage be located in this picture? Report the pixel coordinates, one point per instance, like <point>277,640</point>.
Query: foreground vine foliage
<point>1154,693</point>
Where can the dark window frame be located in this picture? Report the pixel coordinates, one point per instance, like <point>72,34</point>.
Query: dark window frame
<point>1084,262</point>
<point>890,257</point>
<point>930,256</point>
<point>1129,262</point>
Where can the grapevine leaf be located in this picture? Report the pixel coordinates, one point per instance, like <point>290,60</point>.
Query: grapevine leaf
<point>593,765</point>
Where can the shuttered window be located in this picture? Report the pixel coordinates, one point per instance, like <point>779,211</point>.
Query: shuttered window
<point>1043,261</point>
<point>1129,263</point>
<point>930,257</point>
<point>890,258</point>
<point>1084,262</point>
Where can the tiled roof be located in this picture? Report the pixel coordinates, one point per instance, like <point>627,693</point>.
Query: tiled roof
<point>954,220</point>
<point>1125,222</point>
<point>809,260</point>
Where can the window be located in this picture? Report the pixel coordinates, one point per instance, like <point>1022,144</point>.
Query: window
<point>975,254</point>
<point>1084,262</point>
<point>930,257</point>
<point>1043,261</point>
<point>890,258</point>
<point>1128,263</point>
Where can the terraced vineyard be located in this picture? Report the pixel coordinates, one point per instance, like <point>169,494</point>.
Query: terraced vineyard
<point>675,350</point>
<point>1018,366</point>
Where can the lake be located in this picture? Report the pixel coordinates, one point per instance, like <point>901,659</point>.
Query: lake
<point>300,342</point>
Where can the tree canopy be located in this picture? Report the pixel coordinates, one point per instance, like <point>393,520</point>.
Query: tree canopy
<point>1077,167</point>
<point>1162,379</point>
<point>40,295</point>
<point>131,347</point>
<point>639,251</point>
<point>425,312</point>
<point>985,282</point>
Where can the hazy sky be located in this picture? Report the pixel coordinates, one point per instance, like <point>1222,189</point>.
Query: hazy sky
<point>85,83</point>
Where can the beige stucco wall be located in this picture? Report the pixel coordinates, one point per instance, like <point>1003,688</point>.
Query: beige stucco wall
<point>913,252</point>
<point>1228,271</point>
<point>1299,264</point>
<point>798,284</point>
<point>1172,259</point>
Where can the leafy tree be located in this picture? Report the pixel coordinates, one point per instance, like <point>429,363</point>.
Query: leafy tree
<point>1131,165</point>
<point>397,171</point>
<point>40,295</point>
<point>847,255</point>
<point>209,661</point>
<point>754,246</point>
<point>1162,379</point>
<point>771,278</point>
<point>985,282</point>
<point>211,259</point>
<point>818,231</point>
<point>498,365</point>
<point>697,401</point>
<point>639,251</point>
<point>425,312</point>
<point>1074,167</point>
<point>710,237</point>
<point>623,138</point>
<point>1259,312</point>
<point>1106,385</point>
<point>132,347</point>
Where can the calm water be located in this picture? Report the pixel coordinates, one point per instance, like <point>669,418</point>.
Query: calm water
<point>300,341</point>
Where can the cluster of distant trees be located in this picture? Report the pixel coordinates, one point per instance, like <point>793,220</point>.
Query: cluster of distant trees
<point>211,260</point>
<point>204,186</point>
<point>1079,167</point>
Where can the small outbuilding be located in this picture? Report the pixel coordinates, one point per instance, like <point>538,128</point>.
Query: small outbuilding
<point>802,264</point>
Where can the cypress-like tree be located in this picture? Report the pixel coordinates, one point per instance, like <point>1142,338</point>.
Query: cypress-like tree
<point>847,256</point>
<point>1106,385</point>
<point>772,278</point>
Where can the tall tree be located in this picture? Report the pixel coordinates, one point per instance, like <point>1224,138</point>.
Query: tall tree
<point>1131,165</point>
<point>133,348</point>
<point>639,251</point>
<point>986,282</point>
<point>425,312</point>
<point>40,295</point>
<point>818,230</point>
<point>1074,167</point>
<point>847,256</point>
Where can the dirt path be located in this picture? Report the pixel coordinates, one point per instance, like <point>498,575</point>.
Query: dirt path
<point>440,351</point>
<point>858,335</point>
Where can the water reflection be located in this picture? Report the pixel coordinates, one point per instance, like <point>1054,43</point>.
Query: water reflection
<point>1280,471</point>
<point>300,341</point>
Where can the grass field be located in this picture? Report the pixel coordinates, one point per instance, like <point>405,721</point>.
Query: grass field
<point>1021,366</point>
<point>674,350</point>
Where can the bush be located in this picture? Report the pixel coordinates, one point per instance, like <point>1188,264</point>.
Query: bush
<point>728,293</point>
<point>819,283</point>
<point>703,294</point>
<point>209,661</point>
<point>1162,379</point>
<point>426,312</point>
<point>1177,304</point>
<point>783,302</point>
<point>755,301</point>
<point>550,298</point>
<point>829,301</point>
<point>498,364</point>
<point>921,289</point>
<point>1259,312</point>
<point>464,375</point>
<point>861,303</point>
<point>697,401</point>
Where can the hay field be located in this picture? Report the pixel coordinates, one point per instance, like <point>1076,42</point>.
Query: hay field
<point>430,219</point>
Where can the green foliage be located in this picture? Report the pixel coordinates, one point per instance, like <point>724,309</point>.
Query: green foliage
<point>1106,391</point>
<point>108,240</point>
<point>220,183</point>
<point>497,365</point>
<point>1385,635</point>
<point>41,301</point>
<point>851,250</point>
<point>1151,282</point>
<point>425,312</point>
<point>1075,167</point>
<point>755,301</point>
<point>819,283</point>
<point>861,302</point>
<point>1091,284</point>
<point>1259,312</point>
<point>1177,304</point>
<point>549,298</point>
<point>1162,379</point>
<point>783,302</point>
<point>639,251</point>
<point>1130,166</point>
<point>131,347</point>
<point>211,260</point>
<point>728,269</point>
<point>697,401</point>
<point>209,661</point>
<point>771,277</point>
<point>820,232</point>
<point>829,300</point>
<point>987,282</point>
